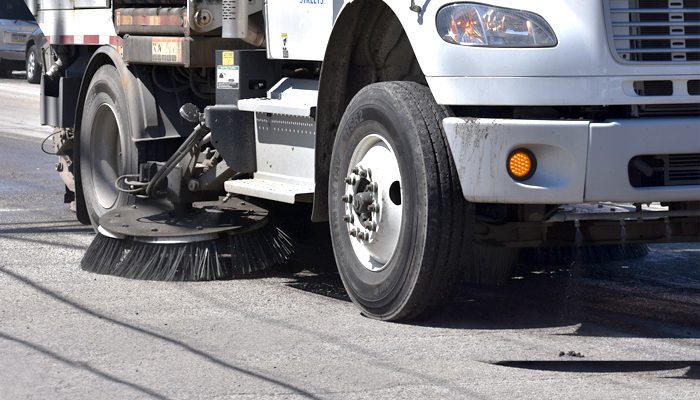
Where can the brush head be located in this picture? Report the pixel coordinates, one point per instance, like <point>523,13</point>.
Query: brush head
<point>214,241</point>
<point>585,254</point>
<point>227,256</point>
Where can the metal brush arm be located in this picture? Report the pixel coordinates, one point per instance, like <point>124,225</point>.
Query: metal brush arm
<point>193,140</point>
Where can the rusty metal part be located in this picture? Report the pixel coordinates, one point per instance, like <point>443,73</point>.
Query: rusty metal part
<point>152,21</point>
<point>256,33</point>
<point>63,147</point>
<point>181,51</point>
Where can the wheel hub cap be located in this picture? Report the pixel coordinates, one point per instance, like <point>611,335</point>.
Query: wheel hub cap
<point>373,209</point>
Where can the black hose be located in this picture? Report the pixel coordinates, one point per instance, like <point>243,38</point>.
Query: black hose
<point>193,140</point>
<point>46,140</point>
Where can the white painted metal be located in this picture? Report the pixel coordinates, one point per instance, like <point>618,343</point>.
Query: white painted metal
<point>92,3</point>
<point>577,161</point>
<point>81,22</point>
<point>289,96</point>
<point>471,75</point>
<point>554,90</point>
<point>614,143</point>
<point>56,4</point>
<point>277,188</point>
<point>480,148</point>
<point>300,29</point>
<point>285,136</point>
<point>374,154</point>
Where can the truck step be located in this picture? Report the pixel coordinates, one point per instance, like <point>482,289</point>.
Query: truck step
<point>272,189</point>
<point>289,97</point>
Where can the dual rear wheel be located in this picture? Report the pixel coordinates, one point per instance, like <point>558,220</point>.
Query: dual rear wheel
<point>106,149</point>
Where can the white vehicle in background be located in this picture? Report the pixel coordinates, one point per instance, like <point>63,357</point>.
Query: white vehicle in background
<point>436,138</point>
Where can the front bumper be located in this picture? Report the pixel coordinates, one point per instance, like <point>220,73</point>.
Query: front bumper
<point>12,54</point>
<point>556,90</point>
<point>577,161</point>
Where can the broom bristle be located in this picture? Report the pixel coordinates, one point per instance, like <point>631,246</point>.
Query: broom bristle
<point>104,254</point>
<point>585,254</point>
<point>231,256</point>
<point>259,250</point>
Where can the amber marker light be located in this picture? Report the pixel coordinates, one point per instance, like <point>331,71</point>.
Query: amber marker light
<point>521,164</point>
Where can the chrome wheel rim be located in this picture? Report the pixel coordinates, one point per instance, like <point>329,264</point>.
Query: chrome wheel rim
<point>105,156</point>
<point>373,208</point>
<point>31,65</point>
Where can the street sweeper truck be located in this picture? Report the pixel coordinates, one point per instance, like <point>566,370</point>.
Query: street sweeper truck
<point>436,138</point>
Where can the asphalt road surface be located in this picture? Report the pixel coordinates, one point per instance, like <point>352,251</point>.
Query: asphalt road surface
<point>626,329</point>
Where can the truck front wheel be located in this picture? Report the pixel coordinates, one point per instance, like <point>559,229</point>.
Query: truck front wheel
<point>106,150</point>
<point>398,221</point>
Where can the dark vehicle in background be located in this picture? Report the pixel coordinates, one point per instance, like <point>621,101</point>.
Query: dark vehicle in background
<point>33,56</point>
<point>16,27</point>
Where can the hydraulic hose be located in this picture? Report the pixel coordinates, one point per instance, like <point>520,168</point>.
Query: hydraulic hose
<point>200,131</point>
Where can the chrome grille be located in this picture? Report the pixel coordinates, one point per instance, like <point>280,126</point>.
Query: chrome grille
<point>664,170</point>
<point>683,169</point>
<point>656,30</point>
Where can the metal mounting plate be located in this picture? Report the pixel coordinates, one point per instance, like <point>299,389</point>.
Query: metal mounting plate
<point>155,220</point>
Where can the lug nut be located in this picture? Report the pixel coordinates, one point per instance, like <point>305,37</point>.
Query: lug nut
<point>350,180</point>
<point>373,208</point>
<point>355,170</point>
<point>373,187</point>
<point>347,198</point>
<point>348,218</point>
<point>363,173</point>
<point>353,232</point>
<point>370,225</point>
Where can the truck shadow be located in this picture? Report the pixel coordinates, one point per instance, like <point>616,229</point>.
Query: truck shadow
<point>599,304</point>
<point>690,369</point>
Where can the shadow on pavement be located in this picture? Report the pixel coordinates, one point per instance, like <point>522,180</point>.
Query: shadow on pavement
<point>83,366</point>
<point>155,335</point>
<point>49,228</point>
<point>549,298</point>
<point>592,366</point>
<point>44,242</point>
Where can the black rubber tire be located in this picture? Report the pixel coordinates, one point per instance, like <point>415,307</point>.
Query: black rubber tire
<point>491,265</point>
<point>33,68</point>
<point>433,240</point>
<point>106,150</point>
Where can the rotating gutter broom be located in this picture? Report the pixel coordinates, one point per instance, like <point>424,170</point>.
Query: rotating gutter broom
<point>157,239</point>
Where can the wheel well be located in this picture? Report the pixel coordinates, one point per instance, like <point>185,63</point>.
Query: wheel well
<point>368,45</point>
<point>30,43</point>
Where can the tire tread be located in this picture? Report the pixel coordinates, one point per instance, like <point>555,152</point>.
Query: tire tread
<point>442,269</point>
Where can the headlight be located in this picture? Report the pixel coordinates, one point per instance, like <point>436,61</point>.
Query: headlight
<point>471,24</point>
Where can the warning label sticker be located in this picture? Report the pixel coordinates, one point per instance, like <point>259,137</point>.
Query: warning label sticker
<point>227,58</point>
<point>166,51</point>
<point>227,77</point>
